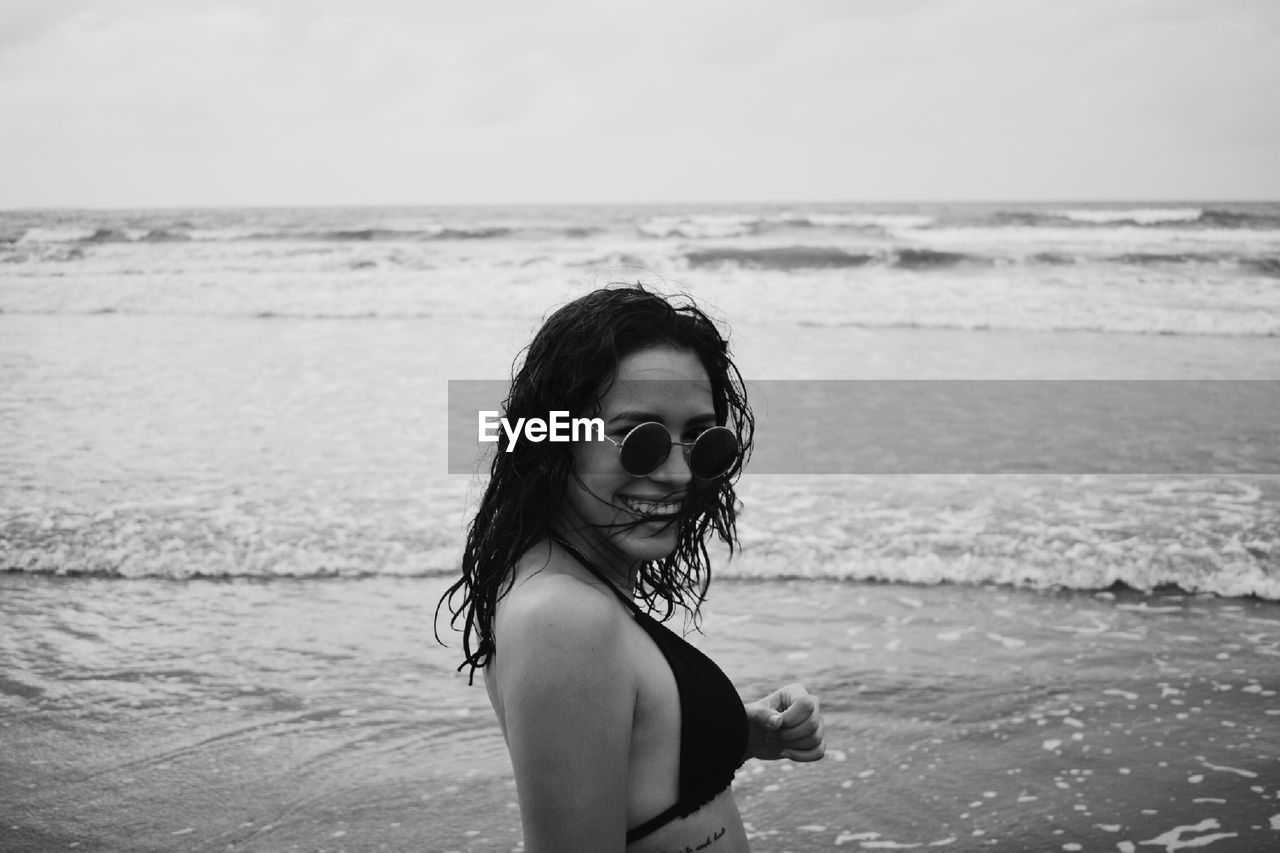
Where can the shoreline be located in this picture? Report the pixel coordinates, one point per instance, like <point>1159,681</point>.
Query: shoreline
<point>257,716</point>
<point>1116,591</point>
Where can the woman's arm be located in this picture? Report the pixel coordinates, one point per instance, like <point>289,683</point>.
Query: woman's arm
<point>785,724</point>
<point>568,696</point>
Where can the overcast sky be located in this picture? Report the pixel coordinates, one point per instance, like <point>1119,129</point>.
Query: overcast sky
<point>195,102</point>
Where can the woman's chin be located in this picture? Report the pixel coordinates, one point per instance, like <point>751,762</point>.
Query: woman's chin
<point>653,540</point>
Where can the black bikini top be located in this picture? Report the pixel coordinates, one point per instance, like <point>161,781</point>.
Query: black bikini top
<point>713,721</point>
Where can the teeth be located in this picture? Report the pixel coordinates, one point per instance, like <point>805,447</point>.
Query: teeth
<point>651,507</point>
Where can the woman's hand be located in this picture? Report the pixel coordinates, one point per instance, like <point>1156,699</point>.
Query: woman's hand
<point>785,724</point>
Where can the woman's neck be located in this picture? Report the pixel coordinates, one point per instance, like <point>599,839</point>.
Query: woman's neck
<point>618,571</point>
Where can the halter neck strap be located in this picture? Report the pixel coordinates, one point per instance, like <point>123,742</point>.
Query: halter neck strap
<point>577,554</point>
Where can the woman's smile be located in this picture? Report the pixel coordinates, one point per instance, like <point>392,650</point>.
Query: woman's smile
<point>663,509</point>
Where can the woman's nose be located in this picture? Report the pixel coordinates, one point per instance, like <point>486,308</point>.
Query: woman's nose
<point>675,469</point>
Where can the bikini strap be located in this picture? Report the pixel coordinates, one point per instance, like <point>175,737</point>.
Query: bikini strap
<point>587,564</point>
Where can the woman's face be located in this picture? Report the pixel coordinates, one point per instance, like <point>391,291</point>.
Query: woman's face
<point>624,520</point>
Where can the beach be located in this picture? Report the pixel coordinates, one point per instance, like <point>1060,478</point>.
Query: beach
<point>321,715</point>
<point>226,517</point>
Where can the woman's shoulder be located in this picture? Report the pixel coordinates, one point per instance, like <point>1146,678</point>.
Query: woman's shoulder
<point>557,637</point>
<point>549,593</point>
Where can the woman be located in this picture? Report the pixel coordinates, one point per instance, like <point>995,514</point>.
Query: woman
<point>621,735</point>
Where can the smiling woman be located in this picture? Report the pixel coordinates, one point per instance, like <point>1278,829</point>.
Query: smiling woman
<point>621,734</point>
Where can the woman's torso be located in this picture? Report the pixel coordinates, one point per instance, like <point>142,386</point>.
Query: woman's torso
<point>653,767</point>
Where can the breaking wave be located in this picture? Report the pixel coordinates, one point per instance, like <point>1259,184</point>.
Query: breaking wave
<point>1135,216</point>
<point>779,258</point>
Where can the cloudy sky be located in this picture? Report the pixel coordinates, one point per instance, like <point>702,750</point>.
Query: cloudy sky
<point>197,102</point>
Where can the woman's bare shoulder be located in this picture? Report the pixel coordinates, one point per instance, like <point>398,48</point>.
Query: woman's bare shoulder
<point>550,601</point>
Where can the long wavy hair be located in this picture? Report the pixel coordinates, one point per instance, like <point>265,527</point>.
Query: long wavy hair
<point>569,366</point>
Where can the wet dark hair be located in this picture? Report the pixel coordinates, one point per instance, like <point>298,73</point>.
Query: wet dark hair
<point>570,365</point>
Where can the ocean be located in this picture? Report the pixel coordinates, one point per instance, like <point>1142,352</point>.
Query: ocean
<point>226,512</point>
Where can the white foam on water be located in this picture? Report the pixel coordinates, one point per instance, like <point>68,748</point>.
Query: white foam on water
<point>56,235</point>
<point>700,226</point>
<point>874,220</point>
<point>1142,215</point>
<point>1105,240</point>
<point>1248,774</point>
<point>1172,840</point>
<point>846,837</point>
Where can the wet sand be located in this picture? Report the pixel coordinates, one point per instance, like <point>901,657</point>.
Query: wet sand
<point>320,715</point>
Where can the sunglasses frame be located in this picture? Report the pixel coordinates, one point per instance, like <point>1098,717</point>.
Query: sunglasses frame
<point>686,446</point>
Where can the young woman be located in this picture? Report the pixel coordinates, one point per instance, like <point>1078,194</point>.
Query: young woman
<point>621,734</point>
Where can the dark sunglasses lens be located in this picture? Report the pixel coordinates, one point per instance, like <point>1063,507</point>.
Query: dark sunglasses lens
<point>645,449</point>
<point>714,453</point>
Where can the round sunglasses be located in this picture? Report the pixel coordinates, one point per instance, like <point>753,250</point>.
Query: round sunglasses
<point>646,447</point>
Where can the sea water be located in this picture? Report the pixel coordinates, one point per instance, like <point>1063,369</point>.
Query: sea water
<point>261,392</point>
<point>256,398</point>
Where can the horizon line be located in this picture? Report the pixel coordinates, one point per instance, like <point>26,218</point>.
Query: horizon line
<point>739,203</point>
